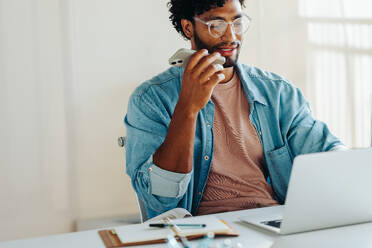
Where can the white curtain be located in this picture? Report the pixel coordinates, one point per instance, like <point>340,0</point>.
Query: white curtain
<point>339,73</point>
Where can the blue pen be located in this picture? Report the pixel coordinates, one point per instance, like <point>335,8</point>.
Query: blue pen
<point>179,225</point>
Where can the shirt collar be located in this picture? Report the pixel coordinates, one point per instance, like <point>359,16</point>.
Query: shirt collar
<point>253,92</point>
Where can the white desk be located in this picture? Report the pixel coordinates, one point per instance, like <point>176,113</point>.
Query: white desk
<point>351,236</point>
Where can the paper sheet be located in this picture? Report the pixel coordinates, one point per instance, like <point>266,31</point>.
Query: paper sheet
<point>142,232</point>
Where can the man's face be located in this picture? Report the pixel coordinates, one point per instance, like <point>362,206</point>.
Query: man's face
<point>228,45</point>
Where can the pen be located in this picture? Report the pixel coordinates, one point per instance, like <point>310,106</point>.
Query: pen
<point>178,232</point>
<point>180,225</point>
<point>172,242</point>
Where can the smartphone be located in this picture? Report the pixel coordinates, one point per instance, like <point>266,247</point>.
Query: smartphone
<point>182,57</point>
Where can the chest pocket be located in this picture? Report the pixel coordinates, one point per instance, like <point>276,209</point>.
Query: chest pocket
<point>279,164</point>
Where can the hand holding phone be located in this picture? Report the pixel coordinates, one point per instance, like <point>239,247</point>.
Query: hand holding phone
<point>182,57</point>
<point>203,71</point>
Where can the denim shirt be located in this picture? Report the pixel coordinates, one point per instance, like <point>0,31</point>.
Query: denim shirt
<point>278,111</point>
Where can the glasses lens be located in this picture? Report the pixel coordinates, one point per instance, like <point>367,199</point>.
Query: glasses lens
<point>217,28</point>
<point>241,24</point>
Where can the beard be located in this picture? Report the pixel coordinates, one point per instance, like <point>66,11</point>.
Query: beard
<point>230,61</point>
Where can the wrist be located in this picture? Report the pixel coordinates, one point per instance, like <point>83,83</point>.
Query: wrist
<point>186,110</point>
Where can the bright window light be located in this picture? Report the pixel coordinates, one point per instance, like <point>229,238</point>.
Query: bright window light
<point>340,66</point>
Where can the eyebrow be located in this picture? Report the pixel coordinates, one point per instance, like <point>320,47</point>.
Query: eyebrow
<point>212,17</point>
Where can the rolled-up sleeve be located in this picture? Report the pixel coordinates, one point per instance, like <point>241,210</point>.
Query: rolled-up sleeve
<point>167,183</point>
<point>339,148</point>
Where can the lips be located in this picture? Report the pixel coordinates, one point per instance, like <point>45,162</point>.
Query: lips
<point>226,51</point>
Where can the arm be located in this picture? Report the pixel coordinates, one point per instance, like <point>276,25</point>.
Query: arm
<point>146,127</point>
<point>159,151</point>
<point>199,79</point>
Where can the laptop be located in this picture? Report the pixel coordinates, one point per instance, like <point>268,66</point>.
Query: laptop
<point>325,190</point>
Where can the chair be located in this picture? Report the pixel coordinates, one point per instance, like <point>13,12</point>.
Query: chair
<point>141,205</point>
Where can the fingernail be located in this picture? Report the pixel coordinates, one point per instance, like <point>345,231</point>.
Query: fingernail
<point>221,76</point>
<point>218,66</point>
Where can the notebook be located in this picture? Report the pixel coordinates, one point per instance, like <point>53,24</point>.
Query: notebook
<point>141,234</point>
<point>175,213</point>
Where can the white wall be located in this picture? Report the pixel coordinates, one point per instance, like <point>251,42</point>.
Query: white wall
<point>67,68</point>
<point>117,46</point>
<point>35,188</point>
<point>283,40</point>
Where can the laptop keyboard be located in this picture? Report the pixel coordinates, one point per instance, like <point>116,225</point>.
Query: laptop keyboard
<point>273,223</point>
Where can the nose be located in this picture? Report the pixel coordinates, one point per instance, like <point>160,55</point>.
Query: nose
<point>229,35</point>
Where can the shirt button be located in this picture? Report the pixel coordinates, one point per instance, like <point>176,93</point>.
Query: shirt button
<point>208,124</point>
<point>199,193</point>
<point>260,132</point>
<point>206,158</point>
<point>150,169</point>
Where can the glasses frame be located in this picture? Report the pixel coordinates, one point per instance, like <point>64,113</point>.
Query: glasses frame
<point>231,23</point>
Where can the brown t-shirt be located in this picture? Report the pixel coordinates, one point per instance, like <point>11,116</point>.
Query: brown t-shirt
<point>236,180</point>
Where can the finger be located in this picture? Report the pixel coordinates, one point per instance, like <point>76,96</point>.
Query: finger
<point>205,62</point>
<point>208,73</point>
<point>215,79</point>
<point>195,58</point>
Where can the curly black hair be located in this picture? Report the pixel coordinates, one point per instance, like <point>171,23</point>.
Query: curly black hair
<point>187,9</point>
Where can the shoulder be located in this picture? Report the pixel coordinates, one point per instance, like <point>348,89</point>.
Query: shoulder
<point>269,85</point>
<point>168,80</point>
<point>265,78</point>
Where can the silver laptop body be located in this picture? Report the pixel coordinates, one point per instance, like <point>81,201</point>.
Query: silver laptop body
<point>325,190</point>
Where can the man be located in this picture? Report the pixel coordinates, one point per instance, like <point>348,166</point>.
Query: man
<point>211,138</point>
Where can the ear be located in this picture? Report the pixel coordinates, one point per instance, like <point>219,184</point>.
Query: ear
<point>188,28</point>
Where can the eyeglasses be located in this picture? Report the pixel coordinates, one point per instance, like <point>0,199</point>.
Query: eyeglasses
<point>217,28</point>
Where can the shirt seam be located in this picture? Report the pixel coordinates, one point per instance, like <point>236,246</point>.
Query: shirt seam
<point>151,84</point>
<point>267,79</point>
<point>264,77</point>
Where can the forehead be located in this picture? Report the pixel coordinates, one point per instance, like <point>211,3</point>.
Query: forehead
<point>230,9</point>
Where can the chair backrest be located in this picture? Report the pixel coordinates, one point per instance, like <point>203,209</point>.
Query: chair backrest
<point>141,205</point>
<point>142,209</point>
